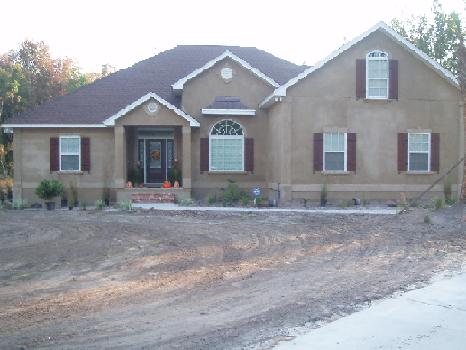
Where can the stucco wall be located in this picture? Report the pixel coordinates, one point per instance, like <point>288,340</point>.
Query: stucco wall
<point>199,93</point>
<point>326,99</point>
<point>32,162</point>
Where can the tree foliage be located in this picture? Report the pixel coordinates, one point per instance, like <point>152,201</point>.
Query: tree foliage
<point>440,35</point>
<point>30,76</point>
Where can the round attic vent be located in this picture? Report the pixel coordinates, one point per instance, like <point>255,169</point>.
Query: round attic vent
<point>152,107</point>
<point>226,73</point>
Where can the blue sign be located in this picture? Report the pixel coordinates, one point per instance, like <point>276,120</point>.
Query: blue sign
<point>256,192</point>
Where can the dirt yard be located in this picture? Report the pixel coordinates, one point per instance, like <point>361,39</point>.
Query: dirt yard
<point>154,280</point>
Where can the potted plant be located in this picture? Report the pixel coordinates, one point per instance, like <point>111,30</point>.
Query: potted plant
<point>175,175</point>
<point>323,195</point>
<point>48,190</point>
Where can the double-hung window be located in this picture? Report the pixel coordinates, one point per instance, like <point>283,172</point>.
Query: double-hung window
<point>377,75</point>
<point>226,142</point>
<point>419,151</point>
<point>70,153</point>
<point>335,151</point>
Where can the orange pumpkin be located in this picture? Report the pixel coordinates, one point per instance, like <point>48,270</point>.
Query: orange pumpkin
<point>166,184</point>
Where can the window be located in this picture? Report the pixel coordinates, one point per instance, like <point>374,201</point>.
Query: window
<point>335,151</point>
<point>226,142</point>
<point>377,75</point>
<point>70,153</point>
<point>419,152</point>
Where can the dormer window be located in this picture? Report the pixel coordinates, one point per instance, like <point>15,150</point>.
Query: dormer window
<point>377,75</point>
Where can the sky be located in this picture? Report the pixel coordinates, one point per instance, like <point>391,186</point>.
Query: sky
<point>121,33</point>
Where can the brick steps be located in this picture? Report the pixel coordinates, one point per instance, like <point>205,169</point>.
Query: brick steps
<point>149,197</point>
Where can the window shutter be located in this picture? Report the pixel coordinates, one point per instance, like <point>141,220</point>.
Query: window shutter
<point>204,154</point>
<point>393,79</point>
<point>435,152</point>
<point>318,152</point>
<point>54,154</point>
<point>402,151</point>
<point>360,79</point>
<point>85,154</point>
<point>351,149</point>
<point>249,154</point>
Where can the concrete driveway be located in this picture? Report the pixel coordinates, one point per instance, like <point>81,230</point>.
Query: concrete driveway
<point>433,317</point>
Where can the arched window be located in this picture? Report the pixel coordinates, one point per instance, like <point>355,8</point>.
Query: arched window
<point>226,142</point>
<point>377,75</point>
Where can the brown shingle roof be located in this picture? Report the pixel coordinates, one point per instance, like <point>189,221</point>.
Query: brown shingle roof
<point>93,103</point>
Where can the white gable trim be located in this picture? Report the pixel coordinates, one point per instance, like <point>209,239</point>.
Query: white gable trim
<point>178,86</point>
<point>111,120</point>
<point>281,91</point>
<point>53,126</point>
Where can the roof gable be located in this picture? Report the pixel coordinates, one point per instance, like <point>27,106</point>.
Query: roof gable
<point>281,91</point>
<point>111,120</point>
<point>178,85</point>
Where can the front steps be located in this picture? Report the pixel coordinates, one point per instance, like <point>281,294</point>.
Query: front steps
<point>152,195</point>
<point>153,198</point>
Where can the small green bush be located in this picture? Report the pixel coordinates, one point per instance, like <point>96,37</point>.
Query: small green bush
<point>212,199</point>
<point>83,205</point>
<point>439,203</point>
<point>451,201</point>
<point>49,189</point>
<point>19,203</point>
<point>186,202</point>
<point>126,205</point>
<point>99,204</point>
<point>244,198</point>
<point>232,194</point>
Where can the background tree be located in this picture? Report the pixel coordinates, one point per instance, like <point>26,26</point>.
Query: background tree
<point>440,35</point>
<point>30,76</point>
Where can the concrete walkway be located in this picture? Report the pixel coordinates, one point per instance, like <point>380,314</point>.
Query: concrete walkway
<point>175,207</point>
<point>430,318</point>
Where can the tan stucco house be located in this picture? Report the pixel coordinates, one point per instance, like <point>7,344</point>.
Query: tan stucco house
<point>375,118</point>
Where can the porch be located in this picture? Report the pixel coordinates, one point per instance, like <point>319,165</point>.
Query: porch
<point>147,156</point>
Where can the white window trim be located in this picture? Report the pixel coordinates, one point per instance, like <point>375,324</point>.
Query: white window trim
<point>367,75</point>
<point>213,111</point>
<point>60,153</point>
<point>223,137</point>
<point>428,152</point>
<point>345,151</point>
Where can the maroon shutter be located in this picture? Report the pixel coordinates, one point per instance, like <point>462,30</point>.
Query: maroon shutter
<point>85,154</point>
<point>351,149</point>
<point>393,79</point>
<point>249,154</point>
<point>318,152</point>
<point>204,154</point>
<point>402,151</point>
<point>435,152</point>
<point>360,79</point>
<point>54,154</point>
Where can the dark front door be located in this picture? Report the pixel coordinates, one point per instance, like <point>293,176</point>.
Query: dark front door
<point>159,160</point>
<point>156,161</point>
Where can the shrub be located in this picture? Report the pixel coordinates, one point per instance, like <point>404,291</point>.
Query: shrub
<point>83,205</point>
<point>126,205</point>
<point>244,198</point>
<point>49,189</point>
<point>439,203</point>
<point>19,203</point>
<point>451,201</point>
<point>186,202</point>
<point>212,199</point>
<point>232,194</point>
<point>99,204</point>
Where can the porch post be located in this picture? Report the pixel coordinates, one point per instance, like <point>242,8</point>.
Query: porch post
<point>120,157</point>
<point>186,154</point>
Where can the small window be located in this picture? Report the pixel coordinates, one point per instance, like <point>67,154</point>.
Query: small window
<point>226,142</point>
<point>335,151</point>
<point>70,153</point>
<point>377,75</point>
<point>419,152</point>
